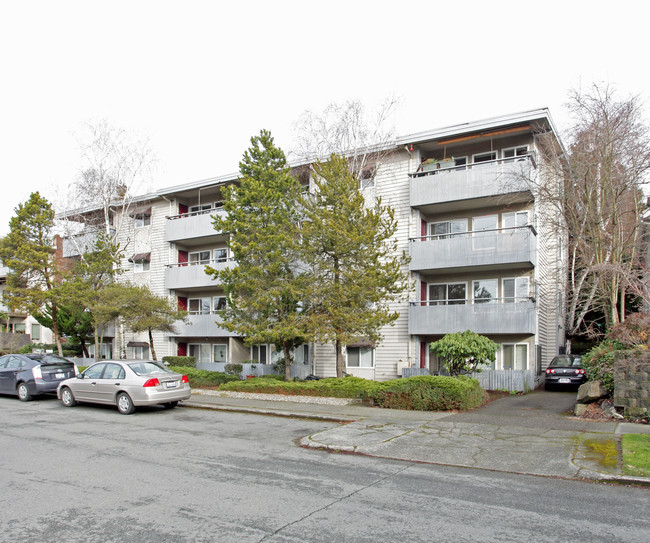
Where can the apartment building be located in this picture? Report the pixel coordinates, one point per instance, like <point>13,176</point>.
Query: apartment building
<point>484,255</point>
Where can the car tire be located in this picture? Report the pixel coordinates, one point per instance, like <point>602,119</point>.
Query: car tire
<point>125,404</point>
<point>67,398</point>
<point>22,390</point>
<point>170,405</point>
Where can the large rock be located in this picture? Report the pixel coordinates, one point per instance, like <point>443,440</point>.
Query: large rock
<point>581,409</point>
<point>590,392</point>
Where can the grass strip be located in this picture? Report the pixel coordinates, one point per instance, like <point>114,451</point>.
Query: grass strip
<point>636,454</point>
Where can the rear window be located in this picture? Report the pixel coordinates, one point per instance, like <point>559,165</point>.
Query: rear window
<point>565,362</point>
<point>147,368</point>
<point>48,359</point>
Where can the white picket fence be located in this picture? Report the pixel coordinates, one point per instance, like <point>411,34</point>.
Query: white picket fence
<point>511,380</point>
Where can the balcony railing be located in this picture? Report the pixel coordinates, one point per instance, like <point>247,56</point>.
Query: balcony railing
<point>82,243</point>
<point>510,246</point>
<point>497,316</point>
<point>186,275</point>
<point>191,226</point>
<point>474,180</point>
<point>203,325</point>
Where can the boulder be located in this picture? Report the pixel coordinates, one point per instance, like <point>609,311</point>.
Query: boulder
<point>590,392</point>
<point>581,408</point>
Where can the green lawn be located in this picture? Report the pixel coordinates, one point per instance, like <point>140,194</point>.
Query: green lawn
<point>636,454</point>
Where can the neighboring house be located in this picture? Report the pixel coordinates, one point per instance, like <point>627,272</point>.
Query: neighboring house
<point>483,256</point>
<point>17,329</point>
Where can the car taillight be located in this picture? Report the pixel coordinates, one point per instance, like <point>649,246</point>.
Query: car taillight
<point>580,372</point>
<point>549,370</point>
<point>152,383</point>
<point>185,379</point>
<point>36,372</point>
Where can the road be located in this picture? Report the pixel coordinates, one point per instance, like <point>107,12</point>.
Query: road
<point>88,474</point>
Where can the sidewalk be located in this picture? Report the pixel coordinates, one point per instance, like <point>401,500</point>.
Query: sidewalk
<point>569,448</point>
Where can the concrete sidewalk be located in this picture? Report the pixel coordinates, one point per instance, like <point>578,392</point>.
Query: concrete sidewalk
<point>534,445</point>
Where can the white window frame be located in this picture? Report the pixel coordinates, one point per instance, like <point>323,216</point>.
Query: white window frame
<point>215,303</point>
<point>140,353</point>
<point>366,351</point>
<point>202,350</point>
<point>213,352</point>
<point>493,299</point>
<point>141,266</point>
<point>199,259</point>
<point>485,238</point>
<point>521,289</point>
<point>514,346</point>
<point>142,219</point>
<point>216,258</point>
<point>452,229</point>
<point>519,153</point>
<point>518,219</point>
<point>447,300</point>
<point>200,209</point>
<point>492,154</point>
<point>202,305</point>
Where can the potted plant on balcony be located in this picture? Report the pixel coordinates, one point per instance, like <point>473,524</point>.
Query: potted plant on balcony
<point>446,163</point>
<point>429,165</point>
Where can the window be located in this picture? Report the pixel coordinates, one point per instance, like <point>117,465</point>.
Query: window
<point>514,356</point>
<point>515,219</point>
<point>258,353</point>
<point>20,328</point>
<point>484,230</point>
<point>141,353</point>
<point>199,306</point>
<point>94,372</point>
<point>142,219</point>
<point>484,157</point>
<point>200,209</point>
<point>515,290</point>
<point>219,303</point>
<point>220,352</point>
<point>220,255</point>
<point>36,332</point>
<point>367,178</point>
<point>140,266</point>
<point>361,357</point>
<point>514,152</point>
<point>485,291</point>
<point>301,355</point>
<point>200,351</point>
<point>447,294</point>
<point>114,371</point>
<point>441,230</point>
<point>199,257</point>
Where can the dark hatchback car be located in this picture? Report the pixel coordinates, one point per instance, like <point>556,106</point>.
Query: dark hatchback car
<point>565,371</point>
<point>28,375</point>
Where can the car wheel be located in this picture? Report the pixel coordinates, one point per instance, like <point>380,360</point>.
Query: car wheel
<point>170,405</point>
<point>67,398</point>
<point>125,404</point>
<point>23,392</point>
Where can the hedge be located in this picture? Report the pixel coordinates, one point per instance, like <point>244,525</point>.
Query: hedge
<point>180,361</point>
<point>204,378</point>
<point>346,387</point>
<point>429,393</point>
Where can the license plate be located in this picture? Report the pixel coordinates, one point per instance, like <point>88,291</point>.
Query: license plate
<point>171,384</point>
<point>564,380</point>
<point>59,375</point>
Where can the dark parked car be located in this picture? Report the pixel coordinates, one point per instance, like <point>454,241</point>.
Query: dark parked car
<point>28,375</point>
<point>565,371</point>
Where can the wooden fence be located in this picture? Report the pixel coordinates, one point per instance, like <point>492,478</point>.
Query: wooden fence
<point>511,380</point>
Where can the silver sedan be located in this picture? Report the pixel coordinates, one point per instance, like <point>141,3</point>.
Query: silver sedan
<point>126,384</point>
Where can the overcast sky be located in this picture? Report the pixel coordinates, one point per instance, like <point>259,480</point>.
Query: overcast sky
<point>199,78</point>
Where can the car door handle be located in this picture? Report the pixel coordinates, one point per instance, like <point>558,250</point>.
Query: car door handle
<point>117,384</point>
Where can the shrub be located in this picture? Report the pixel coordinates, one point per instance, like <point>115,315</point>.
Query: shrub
<point>234,369</point>
<point>429,393</point>
<point>464,351</point>
<point>598,363</point>
<point>184,361</point>
<point>634,331</point>
<point>204,378</point>
<point>346,387</point>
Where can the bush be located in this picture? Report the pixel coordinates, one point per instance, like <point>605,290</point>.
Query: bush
<point>204,378</point>
<point>347,387</point>
<point>234,369</point>
<point>598,363</point>
<point>429,393</point>
<point>184,361</point>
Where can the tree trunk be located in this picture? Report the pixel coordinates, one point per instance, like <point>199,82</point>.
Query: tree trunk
<point>153,351</point>
<point>55,329</point>
<point>339,358</point>
<point>287,362</point>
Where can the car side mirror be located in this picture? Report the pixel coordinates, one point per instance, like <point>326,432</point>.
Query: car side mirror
<point>80,375</point>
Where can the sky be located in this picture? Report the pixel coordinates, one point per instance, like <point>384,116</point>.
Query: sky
<point>197,79</point>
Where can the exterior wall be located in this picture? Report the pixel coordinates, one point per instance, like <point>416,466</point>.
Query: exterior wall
<point>632,382</point>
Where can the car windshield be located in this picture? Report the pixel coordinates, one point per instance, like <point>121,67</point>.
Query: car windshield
<point>565,362</point>
<point>48,359</point>
<point>147,368</point>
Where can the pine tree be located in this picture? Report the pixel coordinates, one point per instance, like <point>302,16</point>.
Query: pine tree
<point>354,265</point>
<point>265,290</point>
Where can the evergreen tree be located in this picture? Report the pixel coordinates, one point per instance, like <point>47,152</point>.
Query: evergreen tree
<point>266,289</point>
<point>354,265</point>
<point>28,251</point>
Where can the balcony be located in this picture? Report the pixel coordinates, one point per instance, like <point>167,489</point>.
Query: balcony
<point>467,183</point>
<point>81,243</point>
<point>206,325</point>
<point>184,276</point>
<point>502,248</point>
<point>482,318</point>
<point>192,228</point>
